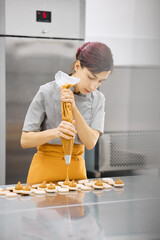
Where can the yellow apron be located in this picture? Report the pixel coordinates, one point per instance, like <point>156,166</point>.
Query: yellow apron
<point>48,164</point>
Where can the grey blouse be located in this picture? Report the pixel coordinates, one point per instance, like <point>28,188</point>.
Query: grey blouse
<point>44,111</point>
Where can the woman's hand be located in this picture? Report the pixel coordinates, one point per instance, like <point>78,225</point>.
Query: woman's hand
<point>65,128</point>
<point>67,96</point>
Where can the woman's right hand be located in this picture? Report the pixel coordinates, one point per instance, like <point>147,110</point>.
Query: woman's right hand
<point>65,128</point>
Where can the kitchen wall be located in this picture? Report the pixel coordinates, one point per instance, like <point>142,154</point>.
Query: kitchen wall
<point>130,28</point>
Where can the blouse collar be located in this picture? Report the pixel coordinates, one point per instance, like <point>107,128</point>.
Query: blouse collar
<point>79,94</point>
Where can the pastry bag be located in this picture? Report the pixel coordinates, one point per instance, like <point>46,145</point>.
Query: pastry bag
<point>66,81</point>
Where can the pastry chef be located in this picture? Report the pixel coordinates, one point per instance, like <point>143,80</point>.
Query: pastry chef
<point>43,126</point>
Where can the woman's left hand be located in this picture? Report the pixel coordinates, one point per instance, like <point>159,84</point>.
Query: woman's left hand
<point>67,96</point>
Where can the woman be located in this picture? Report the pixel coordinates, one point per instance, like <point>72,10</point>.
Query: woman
<point>43,127</point>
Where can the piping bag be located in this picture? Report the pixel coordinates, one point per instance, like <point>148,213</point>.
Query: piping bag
<point>66,81</point>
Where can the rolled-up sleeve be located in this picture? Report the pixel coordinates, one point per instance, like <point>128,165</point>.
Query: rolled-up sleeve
<point>98,113</point>
<point>35,114</point>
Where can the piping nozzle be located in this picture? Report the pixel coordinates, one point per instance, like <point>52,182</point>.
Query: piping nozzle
<point>67,159</point>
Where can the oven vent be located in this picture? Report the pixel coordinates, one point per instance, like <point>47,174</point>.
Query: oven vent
<point>129,150</point>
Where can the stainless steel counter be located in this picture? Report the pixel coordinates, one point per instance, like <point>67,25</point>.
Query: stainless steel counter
<point>129,213</point>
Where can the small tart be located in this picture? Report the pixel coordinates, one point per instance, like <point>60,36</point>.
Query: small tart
<point>43,185</point>
<point>118,181</point>
<point>19,186</point>
<point>99,183</point>
<point>26,190</point>
<point>73,184</point>
<point>51,186</point>
<point>66,182</point>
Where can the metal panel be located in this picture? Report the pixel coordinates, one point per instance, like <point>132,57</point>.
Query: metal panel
<point>29,63</point>
<point>2,16</point>
<point>2,111</point>
<point>67,17</point>
<point>120,151</point>
<point>132,99</point>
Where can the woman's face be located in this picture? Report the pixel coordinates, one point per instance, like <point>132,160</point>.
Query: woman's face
<point>88,81</point>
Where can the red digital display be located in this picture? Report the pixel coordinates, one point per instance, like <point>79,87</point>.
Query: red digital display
<point>43,16</point>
